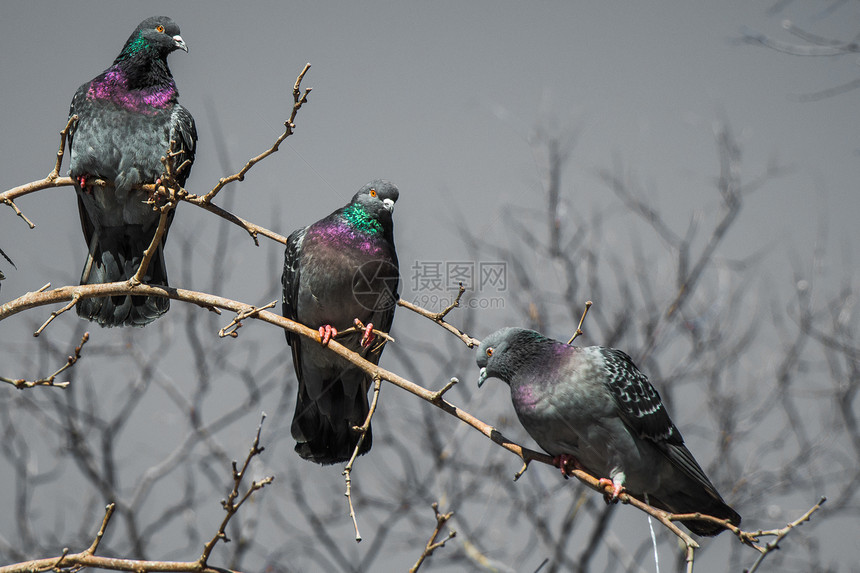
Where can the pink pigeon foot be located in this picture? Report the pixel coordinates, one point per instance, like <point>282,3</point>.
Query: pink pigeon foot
<point>327,332</point>
<point>82,181</point>
<point>368,336</point>
<point>616,489</point>
<point>563,461</point>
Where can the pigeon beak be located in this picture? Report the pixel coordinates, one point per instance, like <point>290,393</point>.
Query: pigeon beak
<point>388,204</point>
<point>482,377</point>
<point>179,43</point>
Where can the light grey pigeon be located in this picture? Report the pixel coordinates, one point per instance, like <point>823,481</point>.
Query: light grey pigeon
<point>127,117</point>
<point>592,406</point>
<point>340,268</point>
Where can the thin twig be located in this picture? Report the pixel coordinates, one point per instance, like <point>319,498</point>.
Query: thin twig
<point>578,332</point>
<point>87,558</point>
<point>230,505</point>
<point>347,471</point>
<point>49,381</point>
<point>64,134</point>
<point>523,469</point>
<point>236,323</point>
<point>60,559</point>
<point>18,212</point>
<point>438,317</point>
<point>155,244</point>
<point>781,533</point>
<point>441,392</point>
<point>57,313</point>
<point>182,194</point>
<point>432,544</point>
<point>165,188</point>
<point>109,509</point>
<point>49,181</point>
<point>299,99</point>
<point>251,228</point>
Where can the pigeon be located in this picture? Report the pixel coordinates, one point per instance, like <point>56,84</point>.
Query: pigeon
<point>341,268</point>
<point>127,117</point>
<point>591,406</point>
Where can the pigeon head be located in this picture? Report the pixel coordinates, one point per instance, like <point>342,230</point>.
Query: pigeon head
<point>139,78</point>
<point>377,196</point>
<point>371,208</point>
<point>504,352</point>
<point>158,35</point>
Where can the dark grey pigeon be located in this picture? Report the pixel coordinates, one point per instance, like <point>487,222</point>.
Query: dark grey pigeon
<point>127,117</point>
<point>340,268</point>
<point>592,407</point>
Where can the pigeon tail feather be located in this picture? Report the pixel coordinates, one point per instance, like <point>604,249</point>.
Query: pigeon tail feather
<point>323,427</point>
<point>116,258</point>
<point>695,500</point>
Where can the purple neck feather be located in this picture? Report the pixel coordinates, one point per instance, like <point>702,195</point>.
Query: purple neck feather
<point>113,86</point>
<point>340,234</point>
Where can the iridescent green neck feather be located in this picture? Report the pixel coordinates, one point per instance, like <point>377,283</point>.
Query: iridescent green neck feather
<point>133,47</point>
<point>360,220</point>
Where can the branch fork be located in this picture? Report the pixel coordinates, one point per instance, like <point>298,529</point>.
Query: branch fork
<point>439,317</point>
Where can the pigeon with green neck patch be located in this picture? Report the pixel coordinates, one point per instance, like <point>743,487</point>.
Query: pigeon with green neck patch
<point>341,268</point>
<point>127,116</point>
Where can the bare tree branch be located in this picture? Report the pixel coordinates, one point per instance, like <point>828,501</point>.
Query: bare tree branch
<point>50,380</point>
<point>299,99</point>
<point>72,562</point>
<point>432,544</point>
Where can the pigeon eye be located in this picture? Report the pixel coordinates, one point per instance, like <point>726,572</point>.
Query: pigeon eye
<point>159,28</point>
<point>373,192</point>
<point>489,352</point>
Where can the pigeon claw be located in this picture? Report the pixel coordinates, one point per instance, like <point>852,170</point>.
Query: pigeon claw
<point>327,332</point>
<point>616,489</point>
<point>564,462</point>
<point>82,181</point>
<point>368,337</point>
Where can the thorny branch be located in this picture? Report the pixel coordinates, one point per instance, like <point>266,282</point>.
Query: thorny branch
<point>49,381</point>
